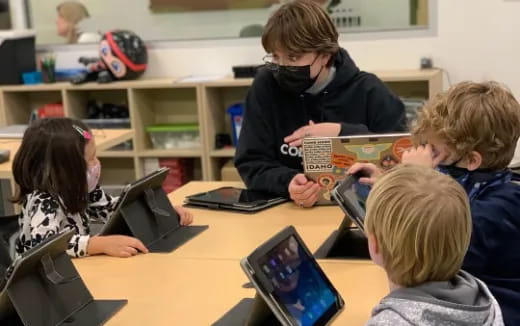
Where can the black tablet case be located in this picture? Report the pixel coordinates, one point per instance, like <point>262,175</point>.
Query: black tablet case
<point>145,212</point>
<point>255,311</point>
<point>195,201</point>
<point>45,289</point>
<point>344,243</point>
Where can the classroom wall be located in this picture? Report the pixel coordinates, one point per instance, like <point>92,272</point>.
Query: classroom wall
<point>16,8</point>
<point>135,15</point>
<point>476,40</point>
<point>381,13</point>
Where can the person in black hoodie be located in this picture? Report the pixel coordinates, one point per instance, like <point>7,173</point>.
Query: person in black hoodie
<point>308,87</point>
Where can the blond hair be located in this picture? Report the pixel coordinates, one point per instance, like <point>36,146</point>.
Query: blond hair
<point>422,223</point>
<point>301,27</point>
<point>72,12</point>
<point>481,117</point>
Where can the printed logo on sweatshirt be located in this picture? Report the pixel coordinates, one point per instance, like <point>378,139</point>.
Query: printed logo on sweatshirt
<point>285,149</point>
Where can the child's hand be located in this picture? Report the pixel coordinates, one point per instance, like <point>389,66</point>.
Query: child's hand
<point>369,169</point>
<point>116,246</point>
<point>185,215</point>
<point>422,155</point>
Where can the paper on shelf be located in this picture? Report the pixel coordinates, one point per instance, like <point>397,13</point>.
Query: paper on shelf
<point>200,78</point>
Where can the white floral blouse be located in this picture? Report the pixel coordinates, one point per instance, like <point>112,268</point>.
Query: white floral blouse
<point>42,216</point>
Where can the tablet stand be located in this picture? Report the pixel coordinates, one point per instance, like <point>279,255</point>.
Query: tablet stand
<point>346,243</point>
<point>8,229</point>
<point>261,314</point>
<point>51,292</point>
<point>152,219</point>
<point>249,312</point>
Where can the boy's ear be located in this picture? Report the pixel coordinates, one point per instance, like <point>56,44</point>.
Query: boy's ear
<point>474,161</point>
<point>372,241</point>
<point>373,248</point>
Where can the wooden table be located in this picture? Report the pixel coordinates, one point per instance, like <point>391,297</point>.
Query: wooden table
<point>199,282</point>
<point>12,146</point>
<point>105,139</point>
<point>282,215</point>
<point>166,291</point>
<point>233,235</point>
<point>235,241</point>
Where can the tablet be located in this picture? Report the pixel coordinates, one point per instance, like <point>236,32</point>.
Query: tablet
<point>351,197</point>
<point>145,212</point>
<point>46,275</point>
<point>235,199</point>
<point>27,263</point>
<point>291,282</point>
<point>326,160</point>
<point>154,180</point>
<point>53,245</point>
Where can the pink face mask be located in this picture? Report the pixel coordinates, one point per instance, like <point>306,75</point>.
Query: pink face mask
<point>93,174</point>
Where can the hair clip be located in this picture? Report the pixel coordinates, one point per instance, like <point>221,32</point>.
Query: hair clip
<point>85,134</point>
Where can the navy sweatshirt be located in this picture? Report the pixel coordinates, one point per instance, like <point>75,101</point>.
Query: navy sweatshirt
<point>356,99</point>
<point>494,252</point>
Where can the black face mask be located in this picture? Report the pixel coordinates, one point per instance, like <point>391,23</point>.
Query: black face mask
<point>457,172</point>
<point>294,79</point>
<point>453,171</point>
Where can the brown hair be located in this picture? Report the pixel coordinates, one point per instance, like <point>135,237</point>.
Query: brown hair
<point>481,117</point>
<point>299,27</point>
<point>421,220</point>
<point>51,159</point>
<point>73,12</point>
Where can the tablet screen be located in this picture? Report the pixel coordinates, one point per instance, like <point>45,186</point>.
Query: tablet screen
<point>230,195</point>
<point>352,197</point>
<point>300,287</point>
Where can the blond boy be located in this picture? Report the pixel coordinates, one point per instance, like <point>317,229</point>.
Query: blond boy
<point>470,133</point>
<point>421,246</point>
<point>473,129</point>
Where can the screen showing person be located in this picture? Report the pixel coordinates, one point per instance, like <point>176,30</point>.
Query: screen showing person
<point>299,287</point>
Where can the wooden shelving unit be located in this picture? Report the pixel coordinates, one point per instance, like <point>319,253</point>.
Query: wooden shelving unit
<point>218,95</point>
<point>195,153</point>
<point>227,152</point>
<point>171,101</point>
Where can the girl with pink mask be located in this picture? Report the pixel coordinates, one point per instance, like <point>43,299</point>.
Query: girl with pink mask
<point>57,173</point>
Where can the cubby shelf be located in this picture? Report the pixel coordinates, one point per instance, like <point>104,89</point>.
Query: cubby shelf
<point>160,101</point>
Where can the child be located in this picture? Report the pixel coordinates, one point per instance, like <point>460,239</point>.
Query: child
<point>57,172</point>
<point>421,245</point>
<point>471,133</point>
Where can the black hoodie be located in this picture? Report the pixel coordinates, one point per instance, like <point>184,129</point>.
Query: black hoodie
<point>356,99</point>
